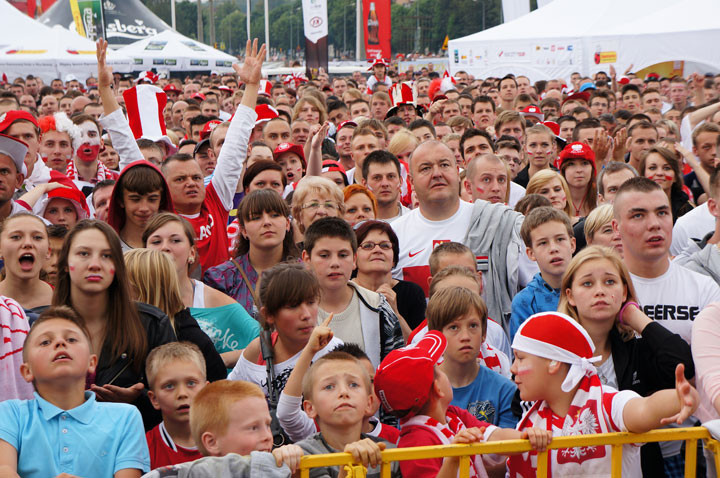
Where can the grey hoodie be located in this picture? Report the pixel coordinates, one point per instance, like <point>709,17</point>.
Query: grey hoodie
<point>706,261</point>
<point>494,238</point>
<point>258,464</point>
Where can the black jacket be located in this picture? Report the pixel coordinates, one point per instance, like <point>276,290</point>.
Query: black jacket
<point>646,365</point>
<point>188,330</point>
<point>122,373</point>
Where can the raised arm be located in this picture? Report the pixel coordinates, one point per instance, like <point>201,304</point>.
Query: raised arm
<point>234,150</point>
<point>314,158</point>
<point>113,120</point>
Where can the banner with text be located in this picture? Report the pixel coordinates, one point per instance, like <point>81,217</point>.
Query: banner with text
<point>89,18</point>
<point>376,23</point>
<point>315,20</point>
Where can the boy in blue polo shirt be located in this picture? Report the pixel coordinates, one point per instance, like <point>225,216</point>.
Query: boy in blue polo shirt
<point>64,429</point>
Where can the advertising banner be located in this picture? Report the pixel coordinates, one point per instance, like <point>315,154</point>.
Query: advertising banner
<point>88,16</point>
<point>316,36</point>
<point>377,26</point>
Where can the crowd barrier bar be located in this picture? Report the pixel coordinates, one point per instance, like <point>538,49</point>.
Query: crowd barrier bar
<point>616,440</point>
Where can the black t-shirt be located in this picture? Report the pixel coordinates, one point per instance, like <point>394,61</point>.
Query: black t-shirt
<point>410,302</point>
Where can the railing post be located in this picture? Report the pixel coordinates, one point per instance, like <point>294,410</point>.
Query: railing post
<point>386,469</point>
<point>542,464</point>
<point>690,457</point>
<point>616,461</point>
<point>464,470</point>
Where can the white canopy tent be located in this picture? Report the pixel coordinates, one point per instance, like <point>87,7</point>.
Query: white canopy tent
<point>589,36</point>
<point>29,47</point>
<point>171,51</point>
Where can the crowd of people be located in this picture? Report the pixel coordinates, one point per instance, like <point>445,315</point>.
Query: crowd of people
<point>218,274</point>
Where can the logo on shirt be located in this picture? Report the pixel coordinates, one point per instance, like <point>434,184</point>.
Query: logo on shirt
<point>482,410</point>
<point>671,312</point>
<point>413,254</point>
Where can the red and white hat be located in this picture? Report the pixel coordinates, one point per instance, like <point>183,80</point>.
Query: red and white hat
<point>265,88</point>
<point>294,80</point>
<point>148,77</point>
<point>404,378</point>
<point>60,122</point>
<point>69,192</point>
<point>145,105</point>
<point>283,148</point>
<point>9,117</point>
<point>208,128</point>
<point>577,150</point>
<point>447,83</point>
<point>533,111</point>
<point>378,60</point>
<point>171,88</point>
<point>555,336</point>
<point>265,113</point>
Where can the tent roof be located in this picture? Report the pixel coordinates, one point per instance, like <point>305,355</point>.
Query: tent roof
<point>172,51</point>
<point>588,36</point>
<point>126,21</point>
<point>28,46</point>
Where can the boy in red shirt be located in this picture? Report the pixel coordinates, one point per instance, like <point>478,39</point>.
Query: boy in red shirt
<point>412,387</point>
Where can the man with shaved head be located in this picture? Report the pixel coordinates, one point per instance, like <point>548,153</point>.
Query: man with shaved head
<point>492,231</point>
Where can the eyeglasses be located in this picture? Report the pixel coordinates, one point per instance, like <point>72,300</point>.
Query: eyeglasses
<point>315,205</point>
<point>369,245</point>
<point>511,159</point>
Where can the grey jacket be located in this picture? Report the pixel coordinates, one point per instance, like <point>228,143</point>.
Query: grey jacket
<point>494,238</point>
<point>706,261</point>
<point>316,445</point>
<point>258,464</point>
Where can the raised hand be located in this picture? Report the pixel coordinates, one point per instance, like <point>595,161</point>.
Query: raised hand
<point>105,73</point>
<point>251,70</point>
<point>321,336</point>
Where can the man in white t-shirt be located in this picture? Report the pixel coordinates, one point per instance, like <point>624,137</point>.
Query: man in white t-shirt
<point>490,230</point>
<point>667,292</point>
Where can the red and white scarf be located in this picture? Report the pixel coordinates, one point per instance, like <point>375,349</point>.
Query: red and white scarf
<point>585,416</point>
<point>103,173</point>
<point>445,433</point>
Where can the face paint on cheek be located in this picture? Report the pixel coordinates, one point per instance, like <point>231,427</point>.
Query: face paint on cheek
<point>480,190</point>
<point>112,270</point>
<point>525,370</point>
<point>72,268</point>
<point>669,178</point>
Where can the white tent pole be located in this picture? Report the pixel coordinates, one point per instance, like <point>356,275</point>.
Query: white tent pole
<point>247,10</point>
<point>358,30</point>
<point>172,13</point>
<point>267,32</point>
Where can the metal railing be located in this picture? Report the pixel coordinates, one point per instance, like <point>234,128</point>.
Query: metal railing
<point>615,440</point>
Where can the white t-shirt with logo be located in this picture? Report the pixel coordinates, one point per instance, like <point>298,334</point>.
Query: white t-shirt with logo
<point>676,297</point>
<point>418,237</point>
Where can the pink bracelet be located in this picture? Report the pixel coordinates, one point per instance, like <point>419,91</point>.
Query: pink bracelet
<point>620,314</point>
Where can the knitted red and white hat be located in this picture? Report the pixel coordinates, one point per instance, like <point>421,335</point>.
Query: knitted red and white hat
<point>447,83</point>
<point>265,113</point>
<point>556,336</point>
<point>145,105</point>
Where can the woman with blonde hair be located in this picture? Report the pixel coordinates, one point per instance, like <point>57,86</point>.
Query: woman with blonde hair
<point>636,352</point>
<point>553,186</point>
<point>153,280</point>
<point>360,204</point>
<point>309,109</point>
<point>402,145</point>
<point>599,231</point>
<point>316,197</point>
<point>223,319</point>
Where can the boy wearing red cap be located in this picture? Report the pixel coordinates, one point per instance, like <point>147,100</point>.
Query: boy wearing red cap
<point>554,368</point>
<point>411,386</point>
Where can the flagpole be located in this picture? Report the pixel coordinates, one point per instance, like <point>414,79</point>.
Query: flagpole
<point>267,32</point>
<point>172,13</point>
<point>247,10</point>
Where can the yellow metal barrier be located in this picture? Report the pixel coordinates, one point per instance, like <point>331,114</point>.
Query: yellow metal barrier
<point>616,440</point>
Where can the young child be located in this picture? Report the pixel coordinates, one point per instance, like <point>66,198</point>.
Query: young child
<point>461,315</point>
<point>64,429</point>
<point>339,397</point>
<point>175,374</point>
<point>554,368</point>
<point>550,242</point>
<point>230,423</point>
<point>360,316</point>
<point>296,423</point>
<point>412,387</point>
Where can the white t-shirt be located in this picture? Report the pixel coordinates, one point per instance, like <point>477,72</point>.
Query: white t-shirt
<point>252,372</point>
<point>676,297</point>
<point>696,224</point>
<point>517,192</point>
<point>418,237</point>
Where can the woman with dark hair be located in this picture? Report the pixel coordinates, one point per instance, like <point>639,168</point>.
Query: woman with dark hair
<point>661,165</point>
<point>577,166</point>
<point>265,240</point>
<point>225,321</point>
<point>93,281</point>
<point>377,254</point>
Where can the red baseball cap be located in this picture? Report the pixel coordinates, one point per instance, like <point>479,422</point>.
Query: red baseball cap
<point>283,148</point>
<point>199,96</point>
<point>534,111</point>
<point>577,150</point>
<point>172,88</point>
<point>404,379</point>
<point>8,118</point>
<point>208,128</point>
